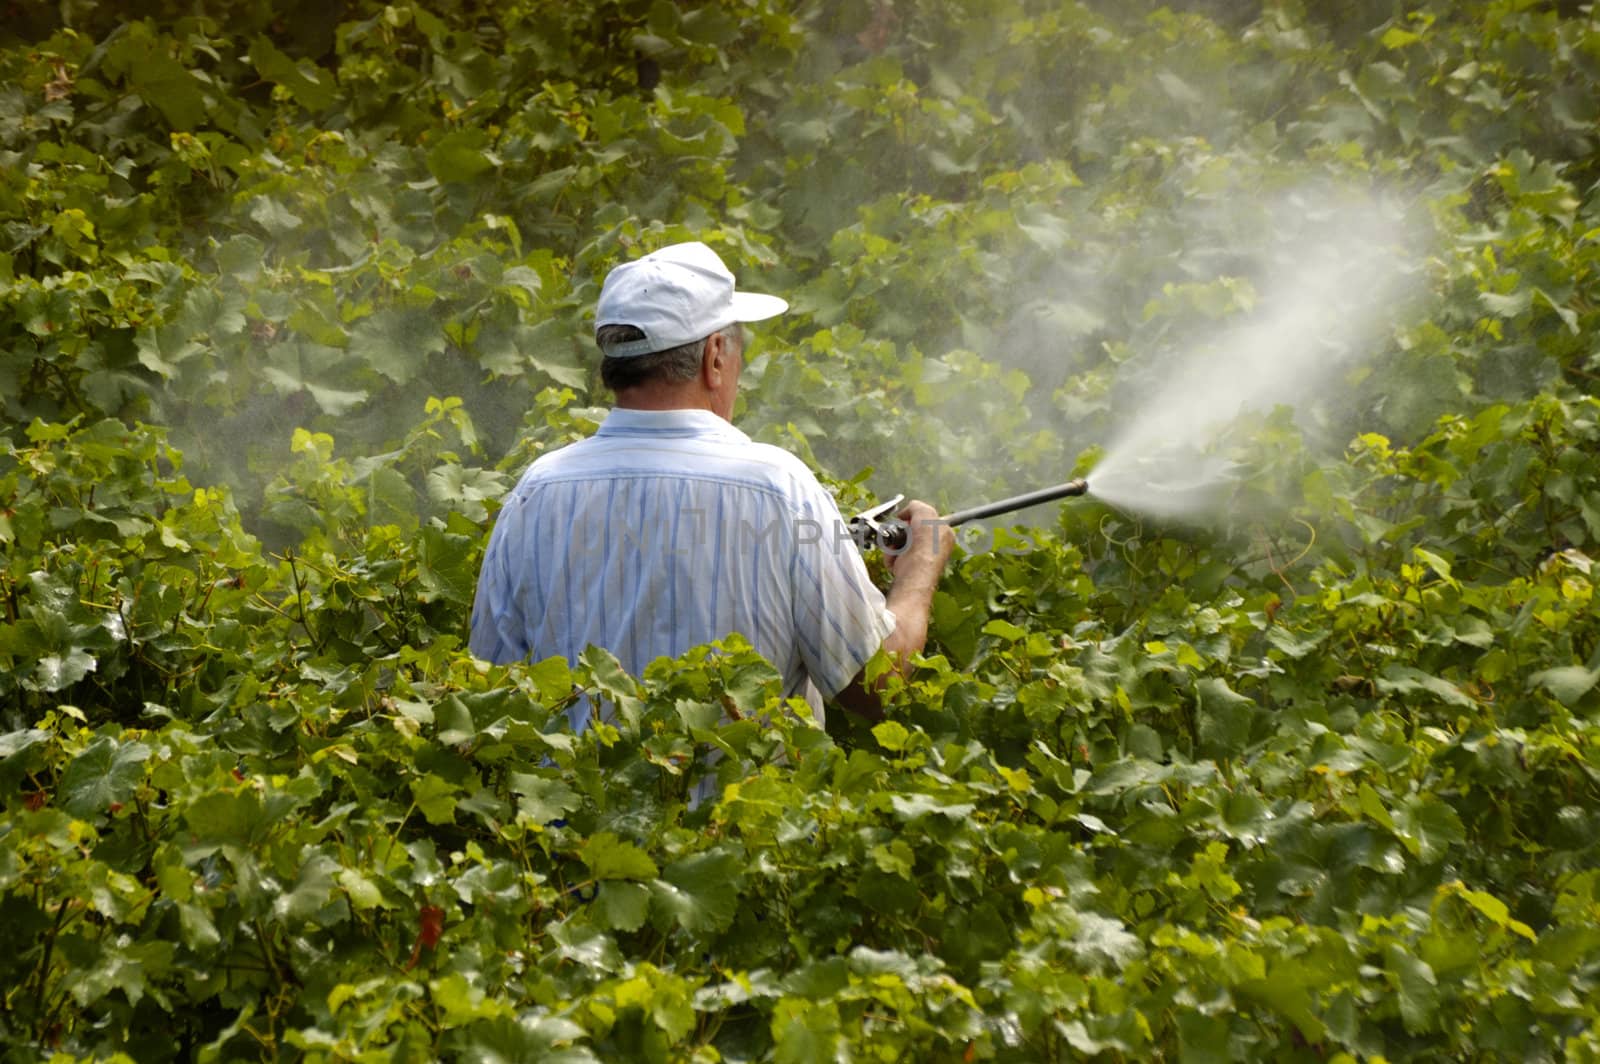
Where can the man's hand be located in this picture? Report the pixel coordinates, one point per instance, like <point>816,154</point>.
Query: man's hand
<point>929,541</point>
<point>916,570</point>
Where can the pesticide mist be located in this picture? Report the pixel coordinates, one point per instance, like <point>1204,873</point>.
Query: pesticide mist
<point>1325,295</point>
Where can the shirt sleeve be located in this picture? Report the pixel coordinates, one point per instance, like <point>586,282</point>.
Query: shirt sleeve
<point>840,617</point>
<point>498,633</point>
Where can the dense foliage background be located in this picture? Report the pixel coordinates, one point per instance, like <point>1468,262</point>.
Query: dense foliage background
<point>293,290</point>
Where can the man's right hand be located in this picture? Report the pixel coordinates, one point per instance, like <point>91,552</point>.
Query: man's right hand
<point>929,541</point>
<point>916,569</point>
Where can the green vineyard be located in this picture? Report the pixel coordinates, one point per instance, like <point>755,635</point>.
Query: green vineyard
<point>292,292</point>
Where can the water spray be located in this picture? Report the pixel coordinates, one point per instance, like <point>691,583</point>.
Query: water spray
<point>877,527</point>
<point>1332,282</point>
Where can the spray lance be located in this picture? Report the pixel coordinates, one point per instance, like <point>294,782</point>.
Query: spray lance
<point>878,528</point>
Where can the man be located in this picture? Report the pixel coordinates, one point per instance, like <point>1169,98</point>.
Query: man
<point>670,528</point>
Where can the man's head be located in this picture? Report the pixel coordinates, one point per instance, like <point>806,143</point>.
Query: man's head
<point>668,325</point>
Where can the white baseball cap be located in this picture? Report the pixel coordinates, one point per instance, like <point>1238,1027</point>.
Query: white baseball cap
<point>675,296</point>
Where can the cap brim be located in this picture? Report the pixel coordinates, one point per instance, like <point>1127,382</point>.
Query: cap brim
<point>757,306</point>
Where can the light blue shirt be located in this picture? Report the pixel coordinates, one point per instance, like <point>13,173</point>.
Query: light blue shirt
<point>668,529</point>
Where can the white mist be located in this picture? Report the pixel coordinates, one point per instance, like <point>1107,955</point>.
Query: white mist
<point>1333,292</point>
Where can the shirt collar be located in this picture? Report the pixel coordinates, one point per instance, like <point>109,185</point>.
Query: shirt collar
<point>667,423</point>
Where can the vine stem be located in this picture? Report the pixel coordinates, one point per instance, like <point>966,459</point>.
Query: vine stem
<point>266,950</point>
<point>44,963</point>
<point>10,590</point>
<point>300,600</point>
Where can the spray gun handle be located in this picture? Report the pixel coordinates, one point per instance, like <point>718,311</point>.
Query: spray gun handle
<point>877,528</point>
<point>893,536</point>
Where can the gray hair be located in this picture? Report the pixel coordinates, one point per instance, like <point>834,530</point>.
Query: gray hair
<point>675,365</point>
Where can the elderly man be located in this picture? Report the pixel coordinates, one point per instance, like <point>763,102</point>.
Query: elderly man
<point>670,528</point>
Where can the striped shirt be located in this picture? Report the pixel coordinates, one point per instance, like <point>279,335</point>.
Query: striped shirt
<point>668,529</point>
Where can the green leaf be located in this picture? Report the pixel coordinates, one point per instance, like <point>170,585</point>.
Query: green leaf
<point>118,964</point>
<point>210,314</point>
<point>223,817</point>
<point>1403,679</point>
<point>621,906</point>
<point>1103,943</point>
<point>1005,630</point>
<point>17,749</point>
<point>1203,1039</point>
<point>460,155</point>
<point>1395,37</point>
<point>611,680</point>
<point>1508,305</point>
<point>305,364</point>
<point>553,678</point>
<point>311,88</point>
<point>549,349</point>
<point>198,929</point>
<point>1225,716</point>
<point>1295,644</point>
<point>609,857</point>
<point>1047,231</point>
<point>436,798</point>
<point>396,342</point>
<point>891,735</point>
<point>502,1039</point>
<point>144,61</point>
<point>1496,910</point>
<point>364,893</point>
<point>465,488</point>
<point>56,672</point>
<point>750,684</point>
<point>240,258</point>
<point>444,566</point>
<point>1568,316</point>
<point>456,726</point>
<point>106,773</point>
<point>1428,827</point>
<point>312,891</point>
<point>461,1003</point>
<point>1372,805</point>
<point>541,798</point>
<point>1438,564</point>
<point>911,807</point>
<point>390,499</point>
<point>274,217</point>
<point>805,1031</point>
<point>523,278</point>
<point>1416,987</point>
<point>503,349</point>
<point>1568,683</point>
<point>702,892</point>
<point>1474,632</point>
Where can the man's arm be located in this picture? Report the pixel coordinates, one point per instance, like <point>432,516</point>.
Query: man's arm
<point>916,572</point>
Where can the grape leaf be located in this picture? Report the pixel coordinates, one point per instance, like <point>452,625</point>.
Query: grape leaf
<point>108,772</point>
